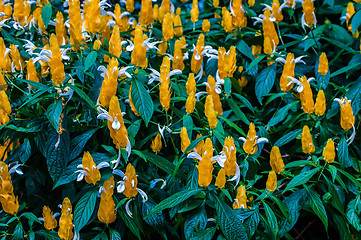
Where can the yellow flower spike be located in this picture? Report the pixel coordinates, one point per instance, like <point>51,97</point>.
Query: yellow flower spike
<point>122,22</point>
<point>44,65</point>
<point>96,45</point>
<point>5,108</point>
<point>92,16</point>
<point>269,29</point>
<point>251,3</point>
<point>210,112</point>
<point>308,17</point>
<point>205,166</point>
<point>241,198</point>
<point>276,11</point>
<point>230,165</point>
<point>347,117</point>
<point>221,62</point>
<point>288,71</point>
<point>110,83</point>
<point>156,12</point>
<point>65,231</point>
<point>17,59</point>
<point>276,161</point>
<point>206,25</point>
<point>323,64</point>
<point>178,28</point>
<point>130,182</point>
<point>238,18</point>
<point>271,183</point>
<point>211,90</point>
<point>191,84</point>
<point>138,55</point>
<point>178,11</point>
<point>308,105</point>
<point>167,27</point>
<point>166,6</point>
<point>243,81</point>
<point>9,203</point>
<point>118,131</point>
<point>230,62</point>
<point>41,25</point>
<point>350,12</point>
<point>194,11</point>
<point>249,146</point>
<point>161,14</point>
<point>267,46</point>
<point>184,139</point>
<point>129,5</point>
<point>191,103</point>
<point>221,179</point>
<point>75,22</point>
<point>227,21</point>
<point>106,212</point>
<point>131,101</point>
<point>32,74</point>
<point>256,50</point>
<point>307,143</point>
<point>146,17</point>
<point>320,105</point>
<point>60,29</point>
<point>328,152</point>
<point>162,47</point>
<point>183,41</point>
<point>49,221</point>
<point>178,56</point>
<point>215,3</point>
<point>156,144</point>
<point>164,87</point>
<point>5,62</point>
<point>197,57</point>
<point>198,149</point>
<point>92,175</point>
<point>21,12</point>
<point>55,63</point>
<point>115,44</point>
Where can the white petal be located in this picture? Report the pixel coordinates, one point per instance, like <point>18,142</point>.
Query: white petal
<point>103,165</point>
<point>105,116</point>
<point>128,148</point>
<point>237,176</point>
<point>80,176</point>
<point>221,159</point>
<point>143,194</point>
<point>194,155</point>
<point>116,124</point>
<point>127,209</point>
<point>118,172</point>
<point>120,187</point>
<point>261,140</point>
<point>242,139</point>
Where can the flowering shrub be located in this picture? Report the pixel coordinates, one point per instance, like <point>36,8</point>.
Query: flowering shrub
<point>179,119</point>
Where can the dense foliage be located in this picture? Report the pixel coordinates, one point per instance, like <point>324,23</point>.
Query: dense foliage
<point>180,119</point>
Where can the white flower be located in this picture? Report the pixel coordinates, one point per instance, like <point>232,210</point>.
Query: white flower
<point>83,173</point>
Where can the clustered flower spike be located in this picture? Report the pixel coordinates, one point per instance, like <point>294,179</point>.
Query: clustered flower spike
<point>55,63</point>
<point>184,139</point>
<point>49,220</point>
<point>5,108</point>
<point>347,117</point>
<point>8,200</point>
<point>276,161</point>
<point>329,153</point>
<point>156,144</point>
<point>241,199</point>
<point>271,183</point>
<point>106,212</point>
<point>230,165</point>
<point>205,165</point>
<point>65,231</point>
<point>250,143</point>
<point>307,142</point>
<point>110,83</point>
<point>210,112</point>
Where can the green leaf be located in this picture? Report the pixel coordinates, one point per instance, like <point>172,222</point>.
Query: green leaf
<point>114,234</point>
<point>162,163</point>
<point>344,69</point>
<point>288,137</point>
<point>77,144</point>
<point>356,21</point>
<point>236,109</point>
<point>232,124</point>
<point>82,95</point>
<point>206,234</point>
<point>254,63</point>
<point>30,216</point>
<point>265,81</point>
<point>18,232</point>
<point>227,86</point>
<point>53,113</point>
<point>84,209</point>
<point>301,178</point>
<point>46,14</point>
<point>317,206</point>
<point>157,220</point>
<point>90,60</point>
<point>354,94</point>
<point>343,154</point>
<point>353,213</point>
<point>300,163</point>
<point>130,223</point>
<point>243,48</point>
<point>271,219</point>
<point>280,115</point>
<point>195,222</point>
<point>188,124</point>
<point>175,199</point>
<point>251,223</point>
<point>333,171</point>
<point>57,153</point>
<point>142,101</point>
<point>229,222</point>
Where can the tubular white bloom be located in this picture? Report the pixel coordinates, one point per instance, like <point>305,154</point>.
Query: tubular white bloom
<point>200,73</point>
<point>127,209</point>
<point>119,173</point>
<point>15,168</point>
<point>352,137</point>
<point>143,194</point>
<point>121,186</point>
<point>124,71</point>
<point>194,155</point>
<point>116,124</point>
<point>220,159</point>
<point>155,181</point>
<point>150,45</point>
<point>236,176</point>
<point>199,94</point>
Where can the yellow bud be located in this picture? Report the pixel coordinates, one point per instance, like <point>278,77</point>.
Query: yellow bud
<point>184,139</point>
<point>276,161</point>
<point>221,179</point>
<point>307,143</point>
<point>92,174</point>
<point>271,183</point>
<point>156,144</point>
<point>167,27</point>
<point>65,231</point>
<point>329,151</point>
<point>191,103</point>
<point>205,166</point>
<point>249,146</point>
<point>347,118</point>
<point>49,221</point>
<point>243,81</point>
<point>130,182</point>
<point>96,45</point>
<point>241,198</point>
<point>194,11</point>
<point>320,105</point>
<point>323,64</point>
<point>210,112</point>
<point>229,148</point>
<point>206,25</point>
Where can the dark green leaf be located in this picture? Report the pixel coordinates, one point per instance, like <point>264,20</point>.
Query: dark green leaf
<point>53,113</point>
<point>343,154</point>
<point>236,109</point>
<point>280,115</point>
<point>46,15</point>
<point>317,206</point>
<point>84,209</point>
<point>243,48</point>
<point>356,21</point>
<point>114,235</point>
<point>175,199</point>
<point>195,222</point>
<point>142,101</point>
<point>90,60</point>
<point>227,86</point>
<point>82,95</point>
<point>271,219</point>
<point>30,216</point>
<point>265,81</point>
<point>353,213</point>
<point>288,137</point>
<point>301,178</point>
<point>77,144</point>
